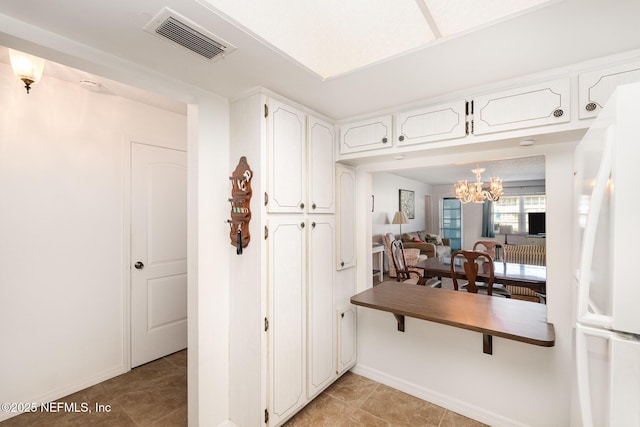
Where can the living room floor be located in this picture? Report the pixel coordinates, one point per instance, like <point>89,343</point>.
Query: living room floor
<point>155,394</point>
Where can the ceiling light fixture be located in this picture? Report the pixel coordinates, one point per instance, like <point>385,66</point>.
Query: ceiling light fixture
<point>27,68</point>
<point>473,192</point>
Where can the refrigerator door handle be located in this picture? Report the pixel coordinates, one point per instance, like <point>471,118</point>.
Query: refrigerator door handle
<point>589,237</point>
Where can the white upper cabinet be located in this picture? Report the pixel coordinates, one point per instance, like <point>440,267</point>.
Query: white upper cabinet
<point>365,135</point>
<point>286,157</point>
<point>534,105</point>
<point>597,86</point>
<point>435,123</point>
<point>346,217</point>
<point>321,146</point>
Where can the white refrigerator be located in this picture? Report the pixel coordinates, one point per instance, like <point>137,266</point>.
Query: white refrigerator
<point>607,259</point>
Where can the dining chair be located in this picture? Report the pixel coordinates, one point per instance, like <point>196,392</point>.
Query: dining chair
<point>472,262</point>
<point>403,273</point>
<point>487,246</point>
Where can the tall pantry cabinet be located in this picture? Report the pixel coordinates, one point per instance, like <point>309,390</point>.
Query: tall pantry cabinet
<point>283,323</point>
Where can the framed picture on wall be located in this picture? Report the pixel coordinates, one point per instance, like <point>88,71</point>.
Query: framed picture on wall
<point>407,202</point>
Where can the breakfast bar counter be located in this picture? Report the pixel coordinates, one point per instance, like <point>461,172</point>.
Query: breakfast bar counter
<point>508,318</point>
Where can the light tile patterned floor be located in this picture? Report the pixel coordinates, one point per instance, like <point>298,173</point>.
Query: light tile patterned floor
<point>155,394</point>
<point>354,400</point>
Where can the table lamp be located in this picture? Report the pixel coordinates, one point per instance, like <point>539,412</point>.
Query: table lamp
<point>506,230</point>
<point>400,218</point>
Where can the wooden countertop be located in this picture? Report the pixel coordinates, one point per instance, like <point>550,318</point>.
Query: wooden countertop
<point>508,318</point>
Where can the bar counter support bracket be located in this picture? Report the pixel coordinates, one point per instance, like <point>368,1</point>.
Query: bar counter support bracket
<point>487,344</point>
<point>400,320</point>
<point>487,340</point>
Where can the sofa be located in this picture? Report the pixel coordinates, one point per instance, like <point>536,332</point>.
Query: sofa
<point>430,245</point>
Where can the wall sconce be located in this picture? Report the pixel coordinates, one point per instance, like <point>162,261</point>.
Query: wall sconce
<point>27,68</point>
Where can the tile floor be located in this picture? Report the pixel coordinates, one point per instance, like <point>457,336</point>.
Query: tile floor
<point>155,394</point>
<point>354,400</point>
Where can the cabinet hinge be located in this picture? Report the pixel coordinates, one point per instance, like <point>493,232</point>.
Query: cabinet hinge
<point>266,324</point>
<point>468,109</point>
<point>266,198</point>
<point>266,232</point>
<point>266,110</point>
<point>266,416</point>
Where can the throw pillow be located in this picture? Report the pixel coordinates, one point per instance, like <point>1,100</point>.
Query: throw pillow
<point>435,239</point>
<point>422,235</point>
<point>415,239</point>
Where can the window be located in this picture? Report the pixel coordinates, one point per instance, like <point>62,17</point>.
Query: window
<point>512,210</point>
<point>452,222</point>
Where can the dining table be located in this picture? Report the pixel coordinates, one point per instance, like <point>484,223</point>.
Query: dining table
<point>507,273</point>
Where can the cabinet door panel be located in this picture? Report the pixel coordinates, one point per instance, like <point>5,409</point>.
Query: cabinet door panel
<point>366,135</point>
<point>345,217</point>
<point>346,338</point>
<point>286,172</point>
<point>536,105</point>
<point>287,316</point>
<point>435,123</point>
<point>597,86</point>
<point>321,167</point>
<point>321,327</point>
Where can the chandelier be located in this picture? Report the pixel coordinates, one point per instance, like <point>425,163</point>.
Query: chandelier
<point>473,192</point>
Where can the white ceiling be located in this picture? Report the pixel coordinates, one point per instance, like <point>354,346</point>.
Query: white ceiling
<point>562,33</point>
<point>333,37</point>
<point>509,170</point>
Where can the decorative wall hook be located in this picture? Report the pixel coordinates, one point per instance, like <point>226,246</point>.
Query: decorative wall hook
<point>240,205</point>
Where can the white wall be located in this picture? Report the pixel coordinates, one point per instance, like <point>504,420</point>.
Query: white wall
<point>62,271</point>
<point>208,250</point>
<point>385,189</point>
<point>520,384</point>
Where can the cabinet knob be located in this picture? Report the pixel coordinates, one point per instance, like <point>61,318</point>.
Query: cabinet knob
<point>401,138</point>
<point>384,140</point>
<point>341,263</point>
<point>590,106</point>
<point>313,206</point>
<point>301,205</point>
<point>558,113</point>
<point>302,225</point>
<point>139,265</point>
<point>313,224</point>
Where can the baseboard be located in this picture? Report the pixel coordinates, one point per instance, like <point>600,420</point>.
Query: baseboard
<point>68,389</point>
<point>448,402</point>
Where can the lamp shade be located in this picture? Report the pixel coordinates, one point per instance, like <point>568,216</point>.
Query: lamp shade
<point>27,68</point>
<point>400,218</point>
<point>506,229</point>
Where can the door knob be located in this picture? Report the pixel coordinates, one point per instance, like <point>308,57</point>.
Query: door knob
<point>139,265</point>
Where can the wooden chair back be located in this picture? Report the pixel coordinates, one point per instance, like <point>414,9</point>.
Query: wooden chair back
<point>487,246</point>
<point>471,266</point>
<point>400,262</point>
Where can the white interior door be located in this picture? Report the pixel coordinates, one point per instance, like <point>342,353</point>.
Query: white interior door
<point>158,252</point>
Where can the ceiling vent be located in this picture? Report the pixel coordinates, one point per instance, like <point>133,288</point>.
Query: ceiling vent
<point>178,29</point>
